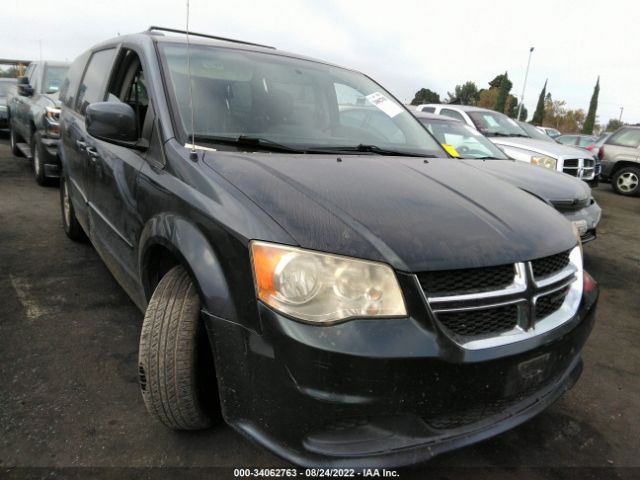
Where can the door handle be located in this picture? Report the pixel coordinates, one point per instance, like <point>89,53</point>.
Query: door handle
<point>93,153</point>
<point>81,145</point>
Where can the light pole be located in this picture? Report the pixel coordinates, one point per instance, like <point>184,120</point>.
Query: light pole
<point>620,117</point>
<point>526,75</point>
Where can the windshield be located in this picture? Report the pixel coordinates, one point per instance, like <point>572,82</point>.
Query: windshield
<point>297,103</point>
<point>53,78</point>
<point>496,124</point>
<point>468,142</point>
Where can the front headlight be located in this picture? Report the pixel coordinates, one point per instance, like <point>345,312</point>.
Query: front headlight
<point>53,114</point>
<point>544,161</point>
<point>323,288</point>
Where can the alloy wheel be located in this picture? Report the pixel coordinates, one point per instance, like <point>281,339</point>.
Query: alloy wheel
<point>627,182</point>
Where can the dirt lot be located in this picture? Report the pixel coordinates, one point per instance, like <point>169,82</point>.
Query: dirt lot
<point>69,395</point>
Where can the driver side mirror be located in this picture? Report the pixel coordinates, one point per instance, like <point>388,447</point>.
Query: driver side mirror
<point>113,122</point>
<point>24,88</point>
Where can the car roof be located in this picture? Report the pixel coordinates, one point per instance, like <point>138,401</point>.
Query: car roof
<point>157,35</point>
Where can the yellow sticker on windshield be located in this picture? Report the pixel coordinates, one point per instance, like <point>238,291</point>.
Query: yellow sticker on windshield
<point>450,150</point>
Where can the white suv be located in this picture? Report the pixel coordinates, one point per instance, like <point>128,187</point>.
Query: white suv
<point>518,144</point>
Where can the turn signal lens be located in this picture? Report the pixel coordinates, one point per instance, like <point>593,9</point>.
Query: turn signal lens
<point>324,288</point>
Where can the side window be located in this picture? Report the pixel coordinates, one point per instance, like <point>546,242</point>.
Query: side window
<point>451,113</point>
<point>567,140</point>
<point>92,87</point>
<point>29,72</point>
<point>129,86</point>
<point>72,80</point>
<point>34,77</point>
<point>429,109</point>
<point>627,137</point>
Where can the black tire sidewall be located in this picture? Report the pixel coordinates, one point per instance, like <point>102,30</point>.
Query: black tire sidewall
<point>13,140</point>
<point>73,229</point>
<point>37,154</point>
<point>172,343</point>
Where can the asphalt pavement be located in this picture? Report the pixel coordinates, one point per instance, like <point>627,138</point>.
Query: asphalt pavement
<point>70,405</point>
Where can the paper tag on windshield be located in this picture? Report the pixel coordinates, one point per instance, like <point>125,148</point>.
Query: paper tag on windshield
<point>384,104</point>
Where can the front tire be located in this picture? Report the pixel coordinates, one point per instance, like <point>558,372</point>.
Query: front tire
<point>72,227</point>
<point>38,163</point>
<point>626,181</point>
<point>13,140</point>
<point>175,364</point>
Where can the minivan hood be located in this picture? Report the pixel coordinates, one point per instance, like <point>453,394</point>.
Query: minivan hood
<point>549,185</point>
<point>412,213</point>
<point>552,149</point>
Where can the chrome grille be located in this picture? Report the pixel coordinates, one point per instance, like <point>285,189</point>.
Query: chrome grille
<point>540,295</point>
<point>583,168</point>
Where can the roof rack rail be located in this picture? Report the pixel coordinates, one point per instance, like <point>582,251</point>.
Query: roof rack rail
<point>175,30</point>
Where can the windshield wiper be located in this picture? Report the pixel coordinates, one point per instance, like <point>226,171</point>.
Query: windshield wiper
<point>364,148</point>
<point>248,141</point>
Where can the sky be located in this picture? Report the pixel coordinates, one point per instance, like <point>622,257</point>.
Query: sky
<point>403,44</point>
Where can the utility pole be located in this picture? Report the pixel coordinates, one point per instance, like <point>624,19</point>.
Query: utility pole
<point>526,75</point>
<point>620,117</point>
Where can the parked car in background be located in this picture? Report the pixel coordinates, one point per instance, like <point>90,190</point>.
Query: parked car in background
<point>34,111</point>
<point>588,142</point>
<point>4,87</point>
<point>518,144</point>
<point>552,132</point>
<point>335,292</point>
<point>568,195</point>
<point>620,156</point>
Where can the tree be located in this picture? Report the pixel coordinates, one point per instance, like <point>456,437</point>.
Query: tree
<point>465,94</point>
<point>488,97</point>
<point>424,95</point>
<point>587,128</point>
<point>538,115</point>
<point>511,108</point>
<point>503,93</point>
<point>503,77</point>
<point>613,125</point>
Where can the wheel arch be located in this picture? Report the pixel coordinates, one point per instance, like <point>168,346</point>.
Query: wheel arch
<point>620,164</point>
<point>168,240</point>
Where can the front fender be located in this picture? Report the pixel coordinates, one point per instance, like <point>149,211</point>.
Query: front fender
<point>187,243</point>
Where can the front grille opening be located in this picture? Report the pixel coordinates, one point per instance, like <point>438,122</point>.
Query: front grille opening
<point>549,304</point>
<point>547,266</point>
<point>473,323</point>
<point>465,281</point>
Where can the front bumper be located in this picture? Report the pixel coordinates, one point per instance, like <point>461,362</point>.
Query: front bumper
<point>384,393</point>
<point>589,215</point>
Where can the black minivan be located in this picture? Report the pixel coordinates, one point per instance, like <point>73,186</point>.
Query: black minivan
<point>344,295</point>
